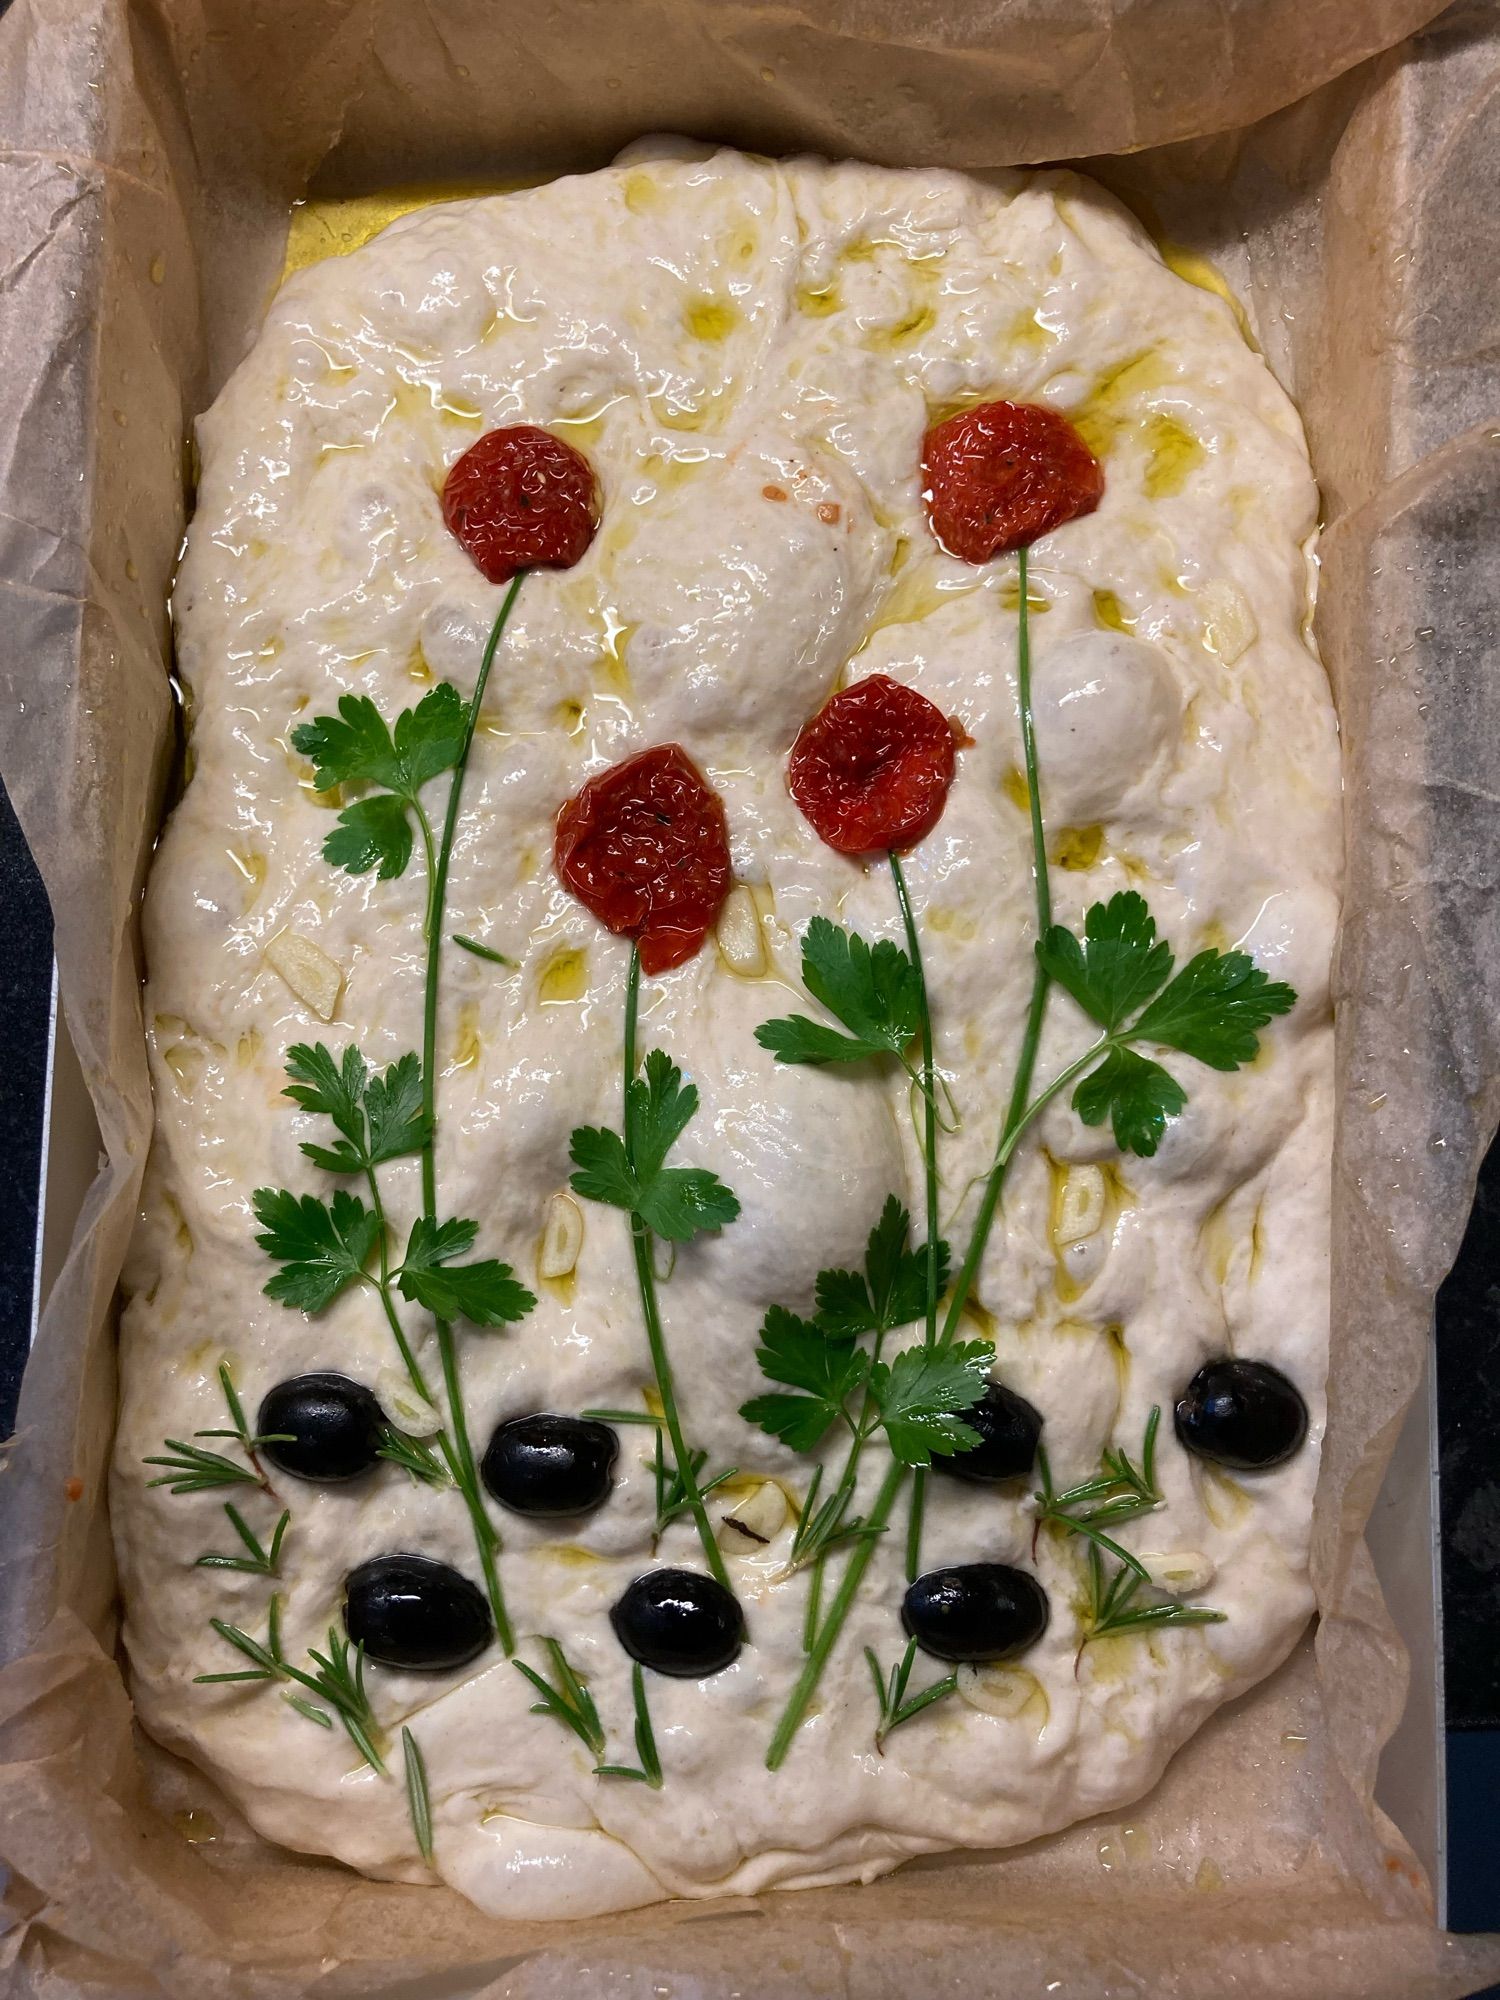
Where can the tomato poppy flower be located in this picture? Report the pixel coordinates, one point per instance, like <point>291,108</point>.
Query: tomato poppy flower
<point>520,498</point>
<point>998,476</point>
<point>871,770</point>
<point>644,847</point>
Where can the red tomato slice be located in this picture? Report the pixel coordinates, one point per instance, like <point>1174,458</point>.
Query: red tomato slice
<point>871,770</point>
<point>521,498</point>
<point>998,476</point>
<point>644,847</point>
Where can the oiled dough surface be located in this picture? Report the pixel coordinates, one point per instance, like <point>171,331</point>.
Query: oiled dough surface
<point>749,353</point>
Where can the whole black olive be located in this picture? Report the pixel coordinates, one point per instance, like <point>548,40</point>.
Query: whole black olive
<point>1009,1429</point>
<point>549,1465</point>
<point>322,1427</point>
<point>975,1611</point>
<point>1243,1414</point>
<point>679,1622</point>
<point>413,1612</point>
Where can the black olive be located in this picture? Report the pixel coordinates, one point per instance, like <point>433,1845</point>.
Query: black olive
<point>331,1427</point>
<point>679,1622</point>
<point>550,1465</point>
<point>410,1611</point>
<point>1243,1414</point>
<point>1009,1429</point>
<point>975,1611</point>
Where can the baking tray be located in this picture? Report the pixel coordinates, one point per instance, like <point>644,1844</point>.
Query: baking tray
<point>144,134</point>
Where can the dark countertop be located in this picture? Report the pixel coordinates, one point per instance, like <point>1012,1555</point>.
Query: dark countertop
<point>1468,1344</point>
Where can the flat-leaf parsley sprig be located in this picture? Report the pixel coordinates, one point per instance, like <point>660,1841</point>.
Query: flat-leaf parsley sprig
<point>878,994</point>
<point>1120,973</point>
<point>628,1170</point>
<point>324,1247</point>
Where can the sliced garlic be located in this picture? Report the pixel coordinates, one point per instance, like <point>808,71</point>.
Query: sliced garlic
<point>742,945</point>
<point>755,1520</point>
<point>1182,1573</point>
<point>407,1410</point>
<point>1229,625</point>
<point>1081,1210</point>
<point>562,1237</point>
<point>999,1690</point>
<point>312,975</point>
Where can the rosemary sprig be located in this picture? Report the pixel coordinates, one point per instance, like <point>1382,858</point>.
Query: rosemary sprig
<point>674,1493</point>
<point>568,1702</point>
<point>1123,1491</point>
<point>258,1560</point>
<point>414,1455</point>
<point>191,1469</point>
<point>891,1696</point>
<point>339,1678</point>
<point>482,950</point>
<point>649,1771</point>
<point>623,1417</point>
<point>418,1802</point>
<point>1112,1606</point>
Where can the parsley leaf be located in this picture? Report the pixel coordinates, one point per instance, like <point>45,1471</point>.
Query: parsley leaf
<point>676,1203</point>
<point>827,1368</point>
<point>322,1247</point>
<point>330,1085</point>
<point>875,991</point>
<point>891,1291</point>
<point>1120,963</point>
<point>1214,1009</point>
<point>356,747</point>
<point>922,1394</point>
<point>1135,1094</point>
<point>604,1170</point>
<point>393,1103</point>
<point>380,1117</point>
<point>373,833</point>
<point>488,1293</point>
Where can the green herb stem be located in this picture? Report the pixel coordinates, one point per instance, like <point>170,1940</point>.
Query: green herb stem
<point>640,1242</point>
<point>461,1452</point>
<point>1018,1114</point>
<point>838,1611</point>
<point>929,1177</point>
<point>437,892</point>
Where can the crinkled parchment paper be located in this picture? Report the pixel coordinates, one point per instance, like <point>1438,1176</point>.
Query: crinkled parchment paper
<point>150,150</point>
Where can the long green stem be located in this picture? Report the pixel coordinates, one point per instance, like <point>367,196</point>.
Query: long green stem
<point>1017,1117</point>
<point>383,1286</point>
<point>640,1243</point>
<point>462,1454</point>
<point>930,1181</point>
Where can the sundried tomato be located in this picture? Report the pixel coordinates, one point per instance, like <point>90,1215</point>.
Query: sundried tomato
<point>998,476</point>
<point>521,498</point>
<point>871,770</point>
<point>644,847</point>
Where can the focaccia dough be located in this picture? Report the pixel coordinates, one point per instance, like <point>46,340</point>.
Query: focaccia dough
<point>749,352</point>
